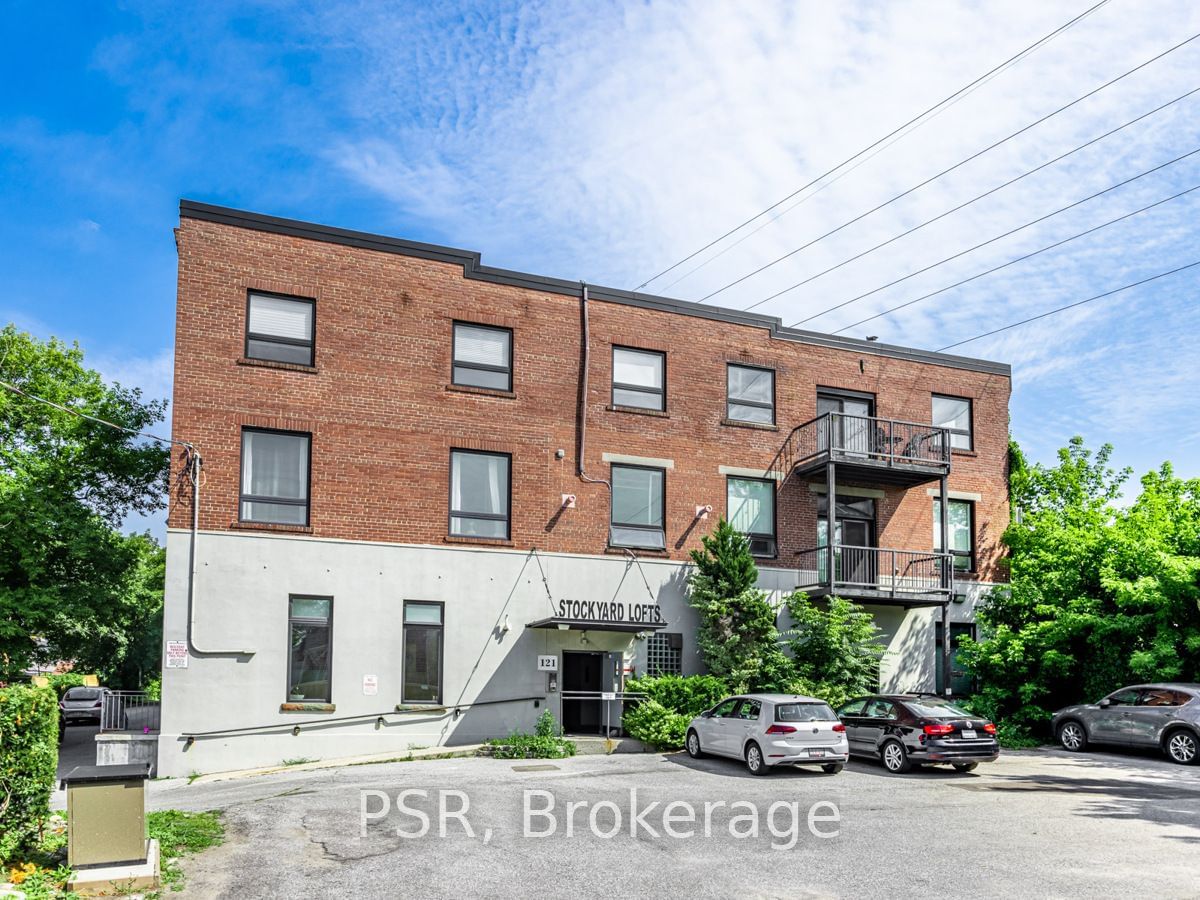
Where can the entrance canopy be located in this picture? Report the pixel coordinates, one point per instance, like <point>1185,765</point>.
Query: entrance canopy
<point>565,624</point>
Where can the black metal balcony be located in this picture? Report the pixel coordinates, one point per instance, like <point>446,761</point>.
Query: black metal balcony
<point>865,448</point>
<point>877,575</point>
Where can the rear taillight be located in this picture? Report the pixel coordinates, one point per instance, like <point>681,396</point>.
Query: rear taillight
<point>989,728</point>
<point>781,729</point>
<point>98,704</point>
<point>839,727</point>
<point>938,730</point>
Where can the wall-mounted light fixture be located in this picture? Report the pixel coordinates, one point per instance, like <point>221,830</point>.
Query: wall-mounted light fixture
<point>703,511</point>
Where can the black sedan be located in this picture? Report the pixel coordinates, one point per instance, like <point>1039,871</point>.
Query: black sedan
<point>906,730</point>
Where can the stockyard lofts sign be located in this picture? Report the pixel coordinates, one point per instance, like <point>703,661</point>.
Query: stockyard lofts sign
<point>611,613</point>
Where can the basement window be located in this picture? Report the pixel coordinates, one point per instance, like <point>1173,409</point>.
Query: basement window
<point>310,649</point>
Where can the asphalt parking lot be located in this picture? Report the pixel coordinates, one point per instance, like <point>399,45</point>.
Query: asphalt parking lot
<point>1037,823</point>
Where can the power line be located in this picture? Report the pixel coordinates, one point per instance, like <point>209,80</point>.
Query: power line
<point>964,205</point>
<point>957,165</point>
<point>1073,237</point>
<point>1059,309</point>
<point>91,418</point>
<point>992,240</point>
<point>961,92</point>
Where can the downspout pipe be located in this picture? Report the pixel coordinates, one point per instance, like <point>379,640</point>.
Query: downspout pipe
<point>194,467</point>
<point>585,361</point>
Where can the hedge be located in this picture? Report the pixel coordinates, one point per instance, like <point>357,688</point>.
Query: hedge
<point>28,763</point>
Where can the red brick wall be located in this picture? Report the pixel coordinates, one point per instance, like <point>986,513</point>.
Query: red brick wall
<point>383,416</point>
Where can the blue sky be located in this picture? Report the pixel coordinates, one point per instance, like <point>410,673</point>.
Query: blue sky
<point>605,141</point>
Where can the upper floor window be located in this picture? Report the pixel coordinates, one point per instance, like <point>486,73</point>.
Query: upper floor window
<point>962,532</point>
<point>482,356</point>
<point>750,506</point>
<point>639,378</point>
<point>954,414</point>
<point>479,494</point>
<point>275,477</point>
<point>750,394</point>
<point>280,329</point>
<point>638,504</point>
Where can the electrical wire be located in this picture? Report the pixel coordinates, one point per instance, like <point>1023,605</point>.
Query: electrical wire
<point>91,418</point>
<point>963,91</point>
<point>1073,237</point>
<point>1059,309</point>
<point>946,171</point>
<point>998,237</point>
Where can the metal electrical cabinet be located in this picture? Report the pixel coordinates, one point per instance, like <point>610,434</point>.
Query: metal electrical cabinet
<point>106,815</point>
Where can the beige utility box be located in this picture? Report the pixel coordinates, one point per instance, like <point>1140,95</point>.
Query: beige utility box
<point>106,815</point>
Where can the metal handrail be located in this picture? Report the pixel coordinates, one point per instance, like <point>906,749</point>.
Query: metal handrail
<point>396,710</point>
<point>899,580</point>
<point>130,711</point>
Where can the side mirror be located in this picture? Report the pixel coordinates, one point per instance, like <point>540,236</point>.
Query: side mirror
<point>1105,703</point>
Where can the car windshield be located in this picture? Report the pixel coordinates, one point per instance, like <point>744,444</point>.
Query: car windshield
<point>82,694</point>
<point>936,709</point>
<point>804,712</point>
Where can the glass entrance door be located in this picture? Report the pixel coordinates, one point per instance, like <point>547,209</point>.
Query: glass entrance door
<point>853,553</point>
<point>850,426</point>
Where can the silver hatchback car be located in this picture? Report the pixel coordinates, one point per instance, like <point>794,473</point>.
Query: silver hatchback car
<point>768,730</point>
<point>1166,716</point>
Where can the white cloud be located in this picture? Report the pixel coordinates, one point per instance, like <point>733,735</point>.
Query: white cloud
<point>603,143</point>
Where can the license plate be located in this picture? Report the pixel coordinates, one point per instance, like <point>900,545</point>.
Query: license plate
<point>812,753</point>
<point>969,734</point>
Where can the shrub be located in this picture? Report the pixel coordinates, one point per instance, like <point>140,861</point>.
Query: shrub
<point>688,696</point>
<point>63,681</point>
<point>655,725</point>
<point>546,742</point>
<point>153,688</point>
<point>28,762</point>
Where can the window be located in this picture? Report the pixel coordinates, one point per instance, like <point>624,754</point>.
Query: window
<point>954,414</point>
<point>880,709</point>
<point>1127,697</point>
<point>639,378</point>
<point>310,649</point>
<point>750,508</point>
<point>479,494</point>
<point>482,356</point>
<point>279,329</point>
<point>750,709</point>
<point>1164,697</point>
<point>854,708</point>
<point>813,712</point>
<point>724,709</point>
<point>962,532</point>
<point>275,477</point>
<point>638,501</point>
<point>422,653</point>
<point>664,654</point>
<point>750,394</point>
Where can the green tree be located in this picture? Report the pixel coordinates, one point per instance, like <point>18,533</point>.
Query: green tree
<point>835,648</point>
<point>66,484</point>
<point>1099,597</point>
<point>738,637</point>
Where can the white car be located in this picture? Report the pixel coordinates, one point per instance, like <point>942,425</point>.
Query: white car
<point>768,730</point>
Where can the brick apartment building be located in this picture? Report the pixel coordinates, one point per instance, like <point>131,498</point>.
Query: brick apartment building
<point>397,533</point>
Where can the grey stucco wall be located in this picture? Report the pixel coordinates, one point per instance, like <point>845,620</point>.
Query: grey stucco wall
<point>242,590</point>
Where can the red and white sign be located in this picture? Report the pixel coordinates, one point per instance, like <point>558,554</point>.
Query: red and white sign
<point>177,655</point>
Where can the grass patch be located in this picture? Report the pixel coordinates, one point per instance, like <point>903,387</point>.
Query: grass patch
<point>180,833</point>
<point>298,761</point>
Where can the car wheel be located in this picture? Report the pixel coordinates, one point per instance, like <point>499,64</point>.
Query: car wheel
<point>1072,736</point>
<point>1181,747</point>
<point>895,757</point>
<point>754,760</point>
<point>693,745</point>
<point>832,768</point>
<point>965,767</point>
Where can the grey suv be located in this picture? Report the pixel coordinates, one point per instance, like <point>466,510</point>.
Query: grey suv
<point>1166,716</point>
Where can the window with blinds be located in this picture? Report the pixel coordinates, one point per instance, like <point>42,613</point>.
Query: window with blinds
<point>280,329</point>
<point>482,356</point>
<point>639,378</point>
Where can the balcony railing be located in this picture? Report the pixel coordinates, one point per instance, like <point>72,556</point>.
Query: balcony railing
<point>130,711</point>
<point>866,440</point>
<point>875,572</point>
